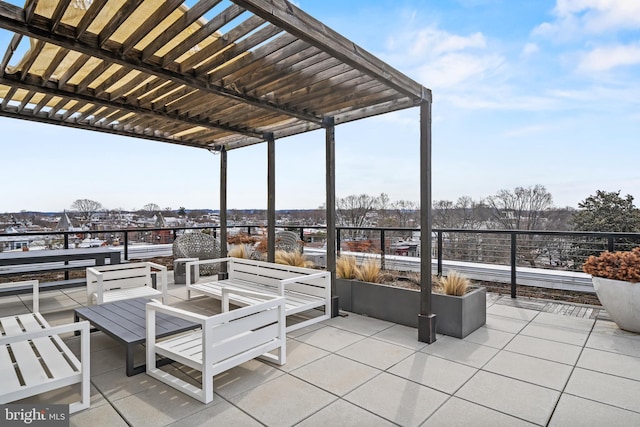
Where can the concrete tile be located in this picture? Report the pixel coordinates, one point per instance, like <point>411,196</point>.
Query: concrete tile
<point>282,402</point>
<point>66,395</point>
<point>512,312</point>
<point>306,330</point>
<point>517,398</point>
<point>341,413</point>
<point>401,335</point>
<point>614,343</point>
<point>220,414</point>
<point>398,400</point>
<point>336,374</point>
<point>330,338</point>
<point>434,372</point>
<point>490,337</point>
<point>545,349</point>
<point>107,360</point>
<point>362,325</point>
<point>61,317</point>
<point>461,351</point>
<point>239,379</point>
<point>79,296</point>
<point>552,319</point>
<point>116,384</point>
<point>50,301</point>
<point>575,411</point>
<point>299,354</point>
<point>530,369</point>
<point>610,363</point>
<point>460,413</point>
<point>556,333</point>
<point>158,406</point>
<point>376,353</point>
<point>607,327</point>
<point>608,389</point>
<point>101,416</point>
<point>505,324</point>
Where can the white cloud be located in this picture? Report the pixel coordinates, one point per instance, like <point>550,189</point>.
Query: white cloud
<point>575,18</point>
<point>431,41</point>
<point>453,70</point>
<point>443,60</point>
<point>606,58</point>
<point>530,49</point>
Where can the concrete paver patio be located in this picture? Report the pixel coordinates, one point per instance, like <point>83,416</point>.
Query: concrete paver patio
<point>524,367</point>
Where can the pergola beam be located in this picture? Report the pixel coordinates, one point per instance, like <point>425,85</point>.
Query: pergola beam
<point>44,118</point>
<point>49,89</point>
<point>12,19</point>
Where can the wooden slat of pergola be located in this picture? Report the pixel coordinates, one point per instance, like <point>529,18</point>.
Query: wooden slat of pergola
<point>273,64</point>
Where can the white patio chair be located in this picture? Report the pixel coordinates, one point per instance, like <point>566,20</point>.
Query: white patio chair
<point>34,360</point>
<point>225,340</point>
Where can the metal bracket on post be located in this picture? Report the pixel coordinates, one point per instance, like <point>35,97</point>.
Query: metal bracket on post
<point>427,328</point>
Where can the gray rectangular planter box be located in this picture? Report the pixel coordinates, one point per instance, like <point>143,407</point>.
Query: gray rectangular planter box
<point>455,316</point>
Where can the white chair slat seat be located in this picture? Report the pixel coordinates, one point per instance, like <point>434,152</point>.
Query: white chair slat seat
<point>34,360</point>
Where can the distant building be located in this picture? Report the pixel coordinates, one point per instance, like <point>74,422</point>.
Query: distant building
<point>64,224</point>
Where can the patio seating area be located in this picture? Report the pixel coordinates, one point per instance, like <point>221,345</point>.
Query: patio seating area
<point>525,367</point>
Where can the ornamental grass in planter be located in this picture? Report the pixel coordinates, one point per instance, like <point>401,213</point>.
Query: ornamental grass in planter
<point>453,283</point>
<point>293,258</point>
<point>615,277</point>
<point>459,307</point>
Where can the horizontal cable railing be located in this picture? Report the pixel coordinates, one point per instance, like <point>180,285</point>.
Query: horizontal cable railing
<point>540,249</point>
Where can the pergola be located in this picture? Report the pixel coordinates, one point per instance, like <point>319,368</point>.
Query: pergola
<point>217,74</point>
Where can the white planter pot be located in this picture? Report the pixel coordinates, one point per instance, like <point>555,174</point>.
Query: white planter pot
<point>621,300</point>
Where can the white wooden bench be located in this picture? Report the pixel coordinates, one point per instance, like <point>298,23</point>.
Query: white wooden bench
<point>226,340</point>
<point>34,360</point>
<point>125,281</point>
<point>304,289</point>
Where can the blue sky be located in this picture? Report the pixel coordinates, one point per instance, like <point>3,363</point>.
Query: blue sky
<point>525,93</point>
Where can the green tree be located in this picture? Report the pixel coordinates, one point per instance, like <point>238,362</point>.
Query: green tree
<point>604,212</point>
<point>607,211</point>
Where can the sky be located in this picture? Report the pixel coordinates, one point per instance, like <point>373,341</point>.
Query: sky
<point>524,93</point>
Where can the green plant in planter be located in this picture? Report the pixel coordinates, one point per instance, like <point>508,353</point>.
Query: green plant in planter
<point>454,283</point>
<point>620,265</point>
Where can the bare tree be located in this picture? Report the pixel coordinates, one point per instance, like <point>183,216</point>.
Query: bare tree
<point>523,209</point>
<point>151,208</point>
<point>86,207</point>
<point>354,210</point>
<point>406,213</point>
<point>467,214</point>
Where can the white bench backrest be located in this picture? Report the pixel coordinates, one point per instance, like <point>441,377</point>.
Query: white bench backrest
<point>269,274</point>
<point>122,276</point>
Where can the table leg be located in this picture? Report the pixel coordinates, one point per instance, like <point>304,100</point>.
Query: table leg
<point>135,370</point>
<point>76,319</point>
